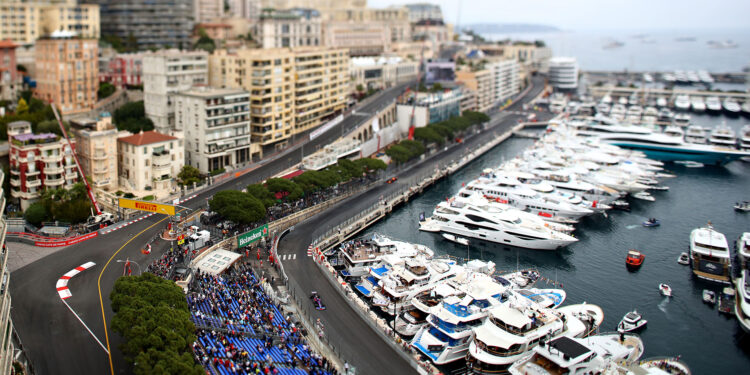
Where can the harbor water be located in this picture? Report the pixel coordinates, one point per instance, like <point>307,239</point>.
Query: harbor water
<point>593,269</point>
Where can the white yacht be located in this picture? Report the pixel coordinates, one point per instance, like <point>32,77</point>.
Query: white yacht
<point>696,134</point>
<point>742,301</point>
<point>603,108</point>
<point>451,323</point>
<point>745,140</point>
<point>622,101</point>
<point>635,111</point>
<point>705,76</point>
<point>493,206</point>
<point>681,119</point>
<point>505,227</point>
<point>709,254</point>
<point>661,102</point>
<point>508,191</point>
<point>403,283</point>
<point>743,250</point>
<point>358,256</point>
<point>713,104</point>
<point>557,103</point>
<point>565,180</point>
<point>602,354</point>
<point>682,103</point>
<point>618,112</point>
<point>731,107</point>
<point>665,114</point>
<point>651,112</point>
<point>723,136</point>
<point>606,99</point>
<point>512,330</point>
<point>409,322</point>
<point>697,104</point>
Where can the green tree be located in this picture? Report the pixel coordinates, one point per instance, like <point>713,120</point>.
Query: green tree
<point>51,126</point>
<point>370,165</point>
<point>132,117</point>
<point>22,107</point>
<point>437,87</point>
<point>398,153</point>
<point>261,193</point>
<point>428,135</point>
<point>360,88</point>
<point>237,206</point>
<point>286,187</point>
<point>106,89</point>
<point>204,41</point>
<point>36,214</point>
<point>153,318</point>
<point>188,175</point>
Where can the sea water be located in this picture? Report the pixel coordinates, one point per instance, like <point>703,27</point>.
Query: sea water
<point>593,269</point>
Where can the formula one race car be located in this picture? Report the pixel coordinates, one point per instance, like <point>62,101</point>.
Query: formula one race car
<point>317,302</point>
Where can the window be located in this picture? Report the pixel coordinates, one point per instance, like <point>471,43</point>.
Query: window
<point>145,150</point>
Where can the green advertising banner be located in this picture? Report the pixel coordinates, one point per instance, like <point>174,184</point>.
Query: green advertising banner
<point>249,237</point>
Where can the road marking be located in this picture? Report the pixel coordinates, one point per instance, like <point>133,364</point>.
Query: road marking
<point>294,256</point>
<point>85,326</point>
<point>99,285</point>
<point>62,283</point>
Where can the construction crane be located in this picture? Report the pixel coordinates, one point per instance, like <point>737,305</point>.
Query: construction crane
<point>100,218</point>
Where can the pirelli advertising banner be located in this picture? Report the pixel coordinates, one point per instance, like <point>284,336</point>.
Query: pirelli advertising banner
<point>158,208</point>
<point>249,237</point>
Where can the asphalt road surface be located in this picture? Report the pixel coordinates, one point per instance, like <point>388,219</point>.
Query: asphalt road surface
<point>57,342</point>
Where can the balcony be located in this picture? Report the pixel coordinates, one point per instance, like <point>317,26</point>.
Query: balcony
<point>16,172</point>
<point>32,172</point>
<point>53,170</point>
<point>102,183</point>
<point>54,158</point>
<point>54,181</point>
<point>15,182</point>
<point>33,183</point>
<point>71,176</point>
<point>99,156</point>
<point>101,170</point>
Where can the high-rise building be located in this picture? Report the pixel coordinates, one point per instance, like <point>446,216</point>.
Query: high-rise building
<point>217,128</point>
<point>96,148</point>
<point>367,31</point>
<point>481,85</point>
<point>247,9</point>
<point>424,12</point>
<point>67,72</point>
<point>563,73</point>
<point>151,23</point>
<point>207,10</point>
<point>291,90</point>
<point>123,69</point>
<point>165,73</point>
<point>26,21</point>
<point>148,163</point>
<point>10,79</point>
<point>7,350</point>
<point>289,28</point>
<point>506,77</point>
<point>381,72</point>
<point>38,161</point>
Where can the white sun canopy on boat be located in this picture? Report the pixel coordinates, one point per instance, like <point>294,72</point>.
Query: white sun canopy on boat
<point>489,336</point>
<point>509,316</point>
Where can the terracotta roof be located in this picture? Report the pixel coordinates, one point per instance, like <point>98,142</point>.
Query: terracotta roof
<point>7,43</point>
<point>146,138</point>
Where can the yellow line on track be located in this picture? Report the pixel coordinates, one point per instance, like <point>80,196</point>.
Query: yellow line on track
<point>99,285</point>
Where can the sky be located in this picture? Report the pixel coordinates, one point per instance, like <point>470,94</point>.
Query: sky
<point>596,14</point>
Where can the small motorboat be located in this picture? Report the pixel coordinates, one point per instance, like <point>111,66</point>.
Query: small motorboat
<point>683,259</point>
<point>643,195</point>
<point>456,239</point>
<point>709,296</point>
<point>652,222</point>
<point>726,301</point>
<point>665,290</point>
<point>620,205</point>
<point>742,207</point>
<point>693,164</point>
<point>632,321</point>
<point>634,259</point>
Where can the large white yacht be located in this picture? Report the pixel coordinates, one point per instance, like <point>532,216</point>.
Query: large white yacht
<point>403,283</point>
<point>709,254</point>
<point>743,250</point>
<point>697,104</point>
<point>723,136</point>
<point>696,134</point>
<point>713,104</point>
<point>358,256</point>
<point>451,323</point>
<point>742,301</point>
<point>603,354</point>
<point>682,103</point>
<point>506,227</point>
<point>731,107</point>
<point>745,140</point>
<point>512,330</point>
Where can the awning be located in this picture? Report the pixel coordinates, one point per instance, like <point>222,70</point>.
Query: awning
<point>366,292</point>
<point>293,174</point>
<point>509,316</point>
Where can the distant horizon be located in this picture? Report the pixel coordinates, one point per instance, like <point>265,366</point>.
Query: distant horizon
<point>594,14</point>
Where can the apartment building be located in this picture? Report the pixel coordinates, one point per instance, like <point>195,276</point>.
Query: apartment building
<point>424,108</point>
<point>424,12</point>
<point>38,161</point>
<point>506,76</point>
<point>122,70</point>
<point>67,72</point>
<point>481,84</point>
<point>153,23</point>
<point>216,125</point>
<point>165,73</point>
<point>291,90</point>
<point>321,86</point>
<point>25,21</point>
<point>247,9</point>
<point>289,28</point>
<point>381,72</point>
<point>148,163</point>
<point>7,349</point>
<point>360,38</point>
<point>563,73</point>
<point>96,147</point>
<point>322,5</point>
<point>394,23</point>
<point>10,78</point>
<point>207,10</point>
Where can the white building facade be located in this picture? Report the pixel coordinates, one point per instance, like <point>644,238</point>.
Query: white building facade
<point>149,162</point>
<point>165,73</point>
<point>506,77</point>
<point>563,73</point>
<point>216,125</point>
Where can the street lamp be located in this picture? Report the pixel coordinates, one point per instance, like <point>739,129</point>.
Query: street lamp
<point>125,261</point>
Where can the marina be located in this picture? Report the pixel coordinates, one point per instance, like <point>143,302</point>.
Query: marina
<point>592,268</point>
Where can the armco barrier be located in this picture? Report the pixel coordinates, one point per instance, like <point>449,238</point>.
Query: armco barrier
<point>67,242</point>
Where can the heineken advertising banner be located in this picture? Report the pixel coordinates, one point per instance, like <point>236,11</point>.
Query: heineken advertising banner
<point>249,237</point>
